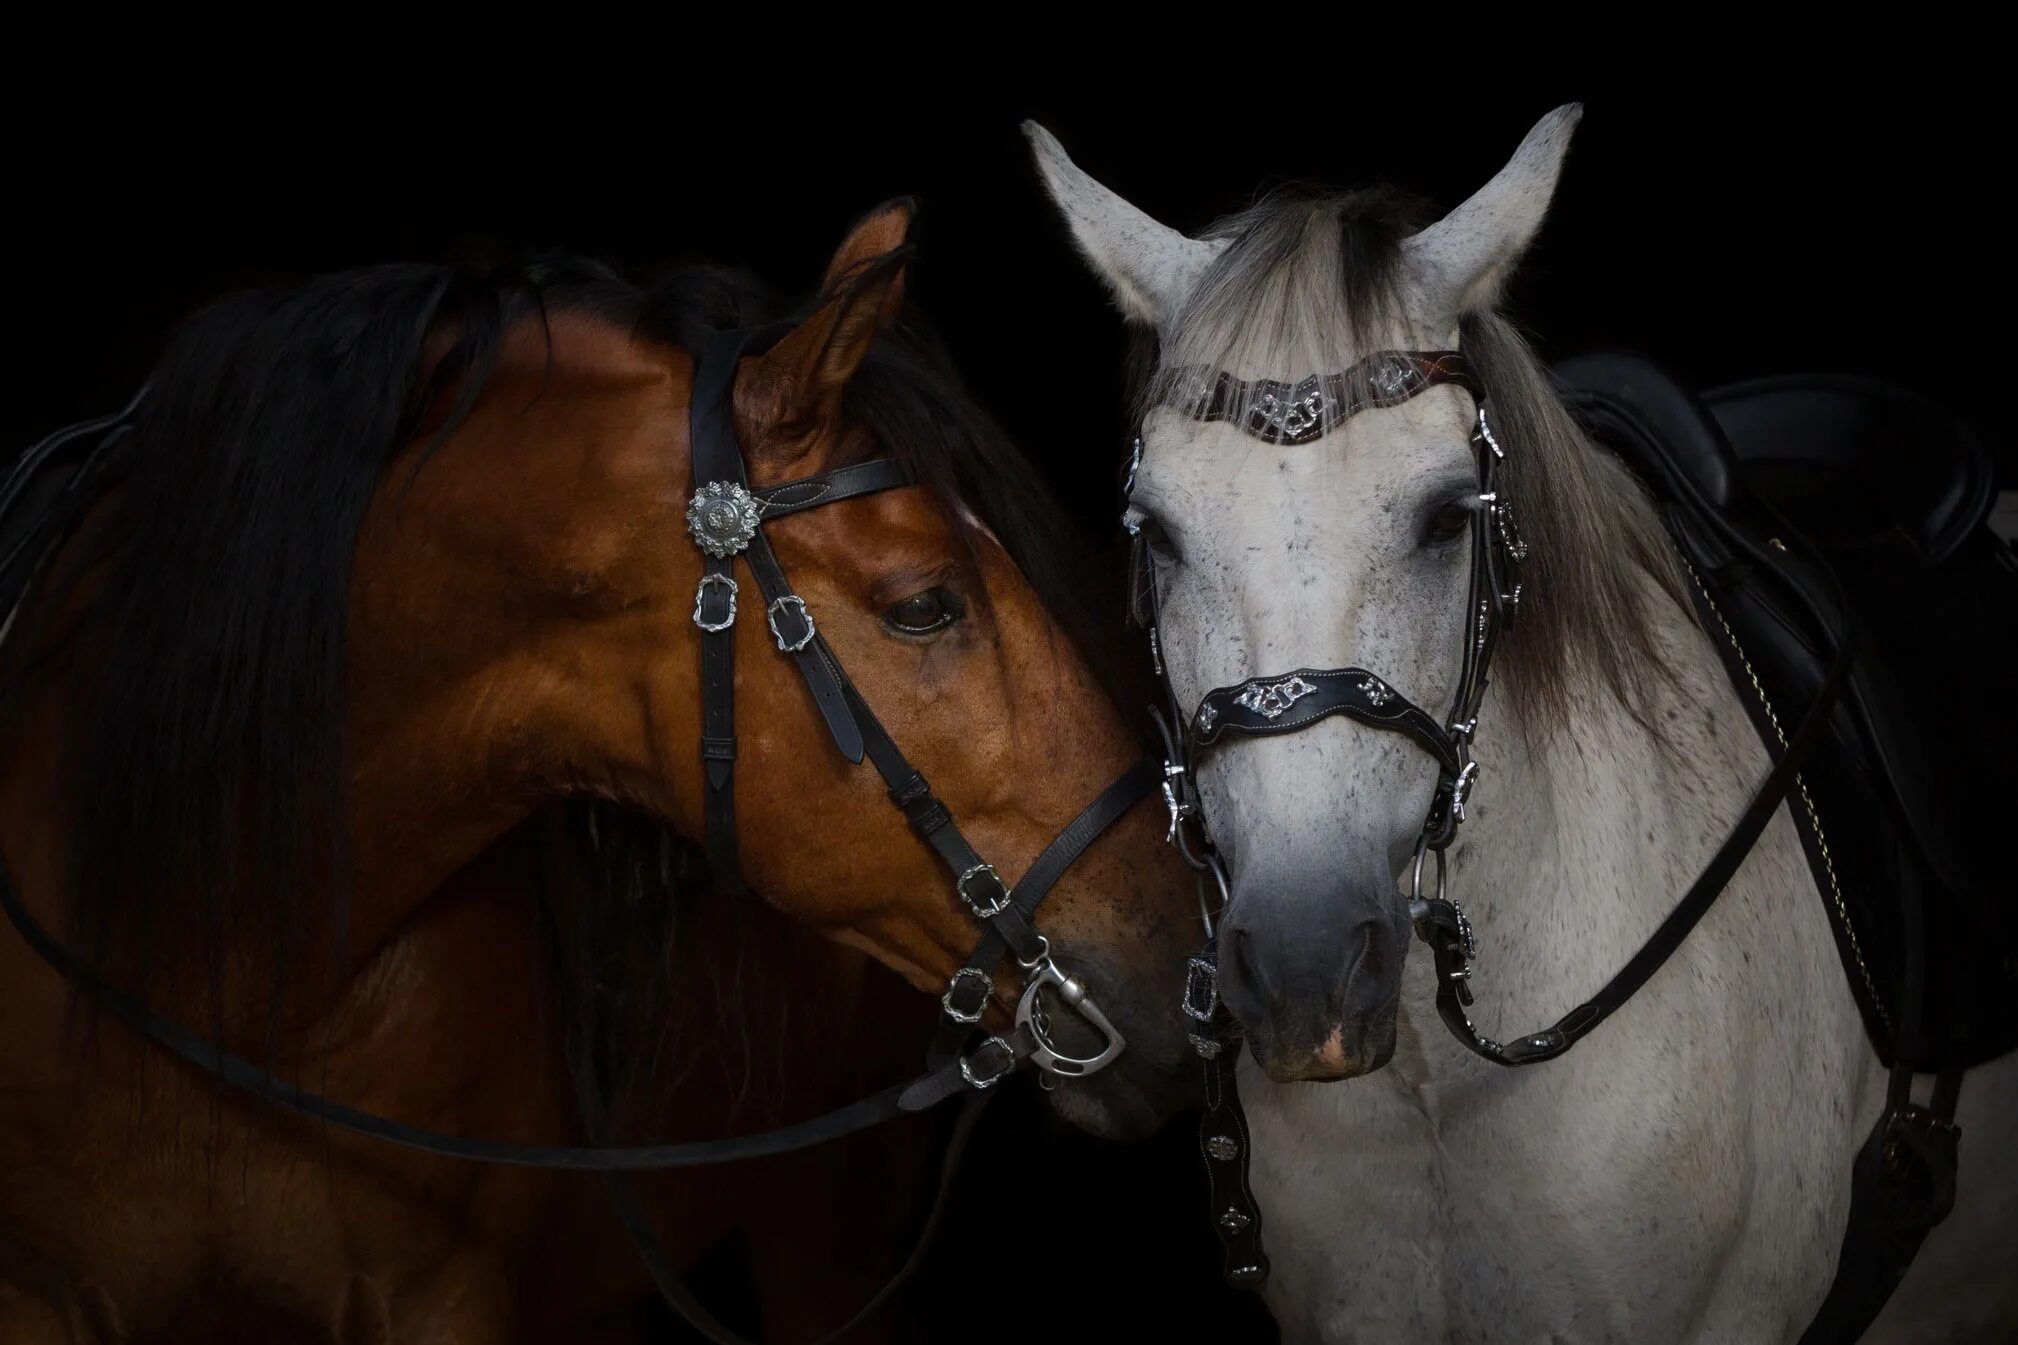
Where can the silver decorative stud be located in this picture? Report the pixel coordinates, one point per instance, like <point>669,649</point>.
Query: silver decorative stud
<point>1244,1274</point>
<point>1392,377</point>
<point>723,518</point>
<point>1486,430</point>
<point>1207,717</point>
<point>1225,1148</point>
<point>1233,1221</point>
<point>1376,694</point>
<point>1292,414</point>
<point>1271,699</point>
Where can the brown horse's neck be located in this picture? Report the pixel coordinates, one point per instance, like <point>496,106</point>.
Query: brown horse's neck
<point>489,594</point>
<point>492,601</point>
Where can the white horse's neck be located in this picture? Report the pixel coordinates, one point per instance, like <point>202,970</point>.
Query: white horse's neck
<point>1581,838</point>
<point>1593,1177</point>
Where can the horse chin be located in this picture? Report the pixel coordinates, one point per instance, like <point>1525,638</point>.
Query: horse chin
<point>1111,1108</point>
<point>1331,1059</point>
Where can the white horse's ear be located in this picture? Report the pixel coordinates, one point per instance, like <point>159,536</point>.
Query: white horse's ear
<point>1149,266</point>
<point>1458,263</point>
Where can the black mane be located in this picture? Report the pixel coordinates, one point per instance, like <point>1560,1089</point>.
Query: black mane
<point>209,668</point>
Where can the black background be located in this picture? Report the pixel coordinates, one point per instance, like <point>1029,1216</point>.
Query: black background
<point>1801,215</point>
<point>1745,223</point>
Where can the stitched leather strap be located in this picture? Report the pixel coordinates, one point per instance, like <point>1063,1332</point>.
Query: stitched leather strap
<point>843,483</point>
<point>243,1074</point>
<point>967,997</point>
<point>1442,930</point>
<point>1299,413</point>
<point>1262,706</point>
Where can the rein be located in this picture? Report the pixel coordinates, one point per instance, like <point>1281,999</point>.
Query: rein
<point>725,518</point>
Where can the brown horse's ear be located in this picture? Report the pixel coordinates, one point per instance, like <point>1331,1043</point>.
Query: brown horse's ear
<point>793,390</point>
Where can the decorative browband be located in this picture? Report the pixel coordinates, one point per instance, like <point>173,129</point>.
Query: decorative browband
<point>1304,411</point>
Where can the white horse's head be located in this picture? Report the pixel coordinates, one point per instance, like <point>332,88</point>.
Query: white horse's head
<point>1347,549</point>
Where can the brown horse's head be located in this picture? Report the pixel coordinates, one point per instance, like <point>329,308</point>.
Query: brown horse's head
<point>521,626</point>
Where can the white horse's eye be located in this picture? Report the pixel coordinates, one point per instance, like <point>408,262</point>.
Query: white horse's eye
<point>1449,520</point>
<point>1141,523</point>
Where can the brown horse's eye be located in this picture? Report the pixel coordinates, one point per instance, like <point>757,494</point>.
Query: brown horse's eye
<point>922,613</point>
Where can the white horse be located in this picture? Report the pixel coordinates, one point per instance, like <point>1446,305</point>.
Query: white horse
<point>1682,1175</point>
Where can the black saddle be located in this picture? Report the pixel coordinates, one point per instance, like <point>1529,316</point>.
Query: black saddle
<point>1815,510</point>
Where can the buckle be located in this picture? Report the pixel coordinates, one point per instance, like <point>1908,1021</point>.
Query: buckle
<point>1180,809</point>
<point>790,602</point>
<point>1201,989</point>
<point>958,1014</point>
<point>983,1076</point>
<point>1460,790</point>
<point>994,907</point>
<point>701,599</point>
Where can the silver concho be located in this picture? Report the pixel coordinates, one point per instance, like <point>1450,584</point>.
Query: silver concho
<point>1376,694</point>
<point>723,518</point>
<point>1225,1148</point>
<point>1293,414</point>
<point>1270,699</point>
<point>1233,1221</point>
<point>1392,377</point>
<point>1207,717</point>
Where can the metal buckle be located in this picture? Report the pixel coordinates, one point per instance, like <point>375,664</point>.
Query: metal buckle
<point>994,908</point>
<point>701,596</point>
<point>1179,809</point>
<point>791,646</point>
<point>975,1080</point>
<point>1031,1018</point>
<point>1460,789</point>
<point>952,986</point>
<point>1201,989</point>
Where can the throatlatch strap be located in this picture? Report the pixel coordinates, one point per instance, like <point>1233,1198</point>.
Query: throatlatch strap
<point>711,435</point>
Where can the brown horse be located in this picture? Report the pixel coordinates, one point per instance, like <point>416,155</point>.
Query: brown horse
<point>380,568</point>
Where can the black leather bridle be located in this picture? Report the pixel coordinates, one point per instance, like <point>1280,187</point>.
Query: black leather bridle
<point>725,518</point>
<point>1266,706</point>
